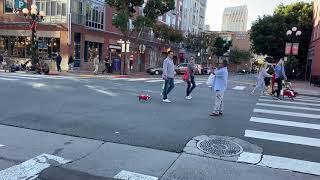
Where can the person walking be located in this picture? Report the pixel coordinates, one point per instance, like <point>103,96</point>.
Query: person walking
<point>190,79</point>
<point>58,62</point>
<point>106,64</point>
<point>261,84</point>
<point>220,86</point>
<point>70,63</point>
<point>280,75</point>
<point>96,64</point>
<point>168,76</point>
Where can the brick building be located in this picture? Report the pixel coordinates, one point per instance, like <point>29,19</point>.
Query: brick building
<point>313,62</point>
<point>85,30</point>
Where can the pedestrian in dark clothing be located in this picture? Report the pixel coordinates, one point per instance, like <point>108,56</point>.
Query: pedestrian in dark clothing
<point>106,64</point>
<point>70,63</point>
<point>190,81</point>
<point>280,75</point>
<point>1,58</point>
<point>58,62</point>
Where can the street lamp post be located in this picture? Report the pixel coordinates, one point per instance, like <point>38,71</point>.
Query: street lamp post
<point>292,47</point>
<point>33,16</point>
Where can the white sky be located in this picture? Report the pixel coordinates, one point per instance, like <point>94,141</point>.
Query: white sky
<point>256,7</point>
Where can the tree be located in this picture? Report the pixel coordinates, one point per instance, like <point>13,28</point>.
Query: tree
<point>268,33</point>
<point>168,34</point>
<point>126,13</point>
<point>236,56</point>
<point>221,46</point>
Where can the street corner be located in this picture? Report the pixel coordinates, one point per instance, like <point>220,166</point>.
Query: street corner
<point>224,148</point>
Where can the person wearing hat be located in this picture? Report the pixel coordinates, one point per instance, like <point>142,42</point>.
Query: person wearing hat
<point>168,76</point>
<point>220,86</point>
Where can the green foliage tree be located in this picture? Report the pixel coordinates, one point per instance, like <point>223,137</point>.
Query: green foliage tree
<point>268,33</point>
<point>221,46</point>
<point>236,56</point>
<point>126,11</point>
<point>168,34</point>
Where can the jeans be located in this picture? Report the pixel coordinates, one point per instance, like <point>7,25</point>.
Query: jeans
<point>168,86</point>
<point>279,82</point>
<point>58,68</point>
<point>190,88</point>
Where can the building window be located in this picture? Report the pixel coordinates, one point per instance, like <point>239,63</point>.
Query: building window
<point>55,10</point>
<point>95,15</point>
<point>168,19</point>
<point>8,6</point>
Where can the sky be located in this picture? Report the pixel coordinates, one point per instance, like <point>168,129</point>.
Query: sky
<point>256,8</point>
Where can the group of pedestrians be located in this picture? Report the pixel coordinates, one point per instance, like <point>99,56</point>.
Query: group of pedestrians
<point>219,83</point>
<point>263,80</point>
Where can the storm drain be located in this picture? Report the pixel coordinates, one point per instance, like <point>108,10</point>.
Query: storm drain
<point>220,147</point>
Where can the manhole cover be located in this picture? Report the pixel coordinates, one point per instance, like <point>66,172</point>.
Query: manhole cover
<point>220,147</point>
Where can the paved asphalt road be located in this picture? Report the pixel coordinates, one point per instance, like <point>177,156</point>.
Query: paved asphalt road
<point>108,110</point>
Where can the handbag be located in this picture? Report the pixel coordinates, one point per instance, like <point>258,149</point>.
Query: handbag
<point>210,80</point>
<point>185,76</point>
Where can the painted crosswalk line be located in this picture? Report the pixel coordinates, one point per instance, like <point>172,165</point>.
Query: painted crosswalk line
<point>8,79</point>
<point>285,123</point>
<point>154,81</point>
<point>20,77</point>
<point>127,175</point>
<point>1,145</point>
<point>289,102</point>
<point>297,99</point>
<point>31,168</point>
<point>240,88</point>
<point>288,107</point>
<point>283,138</point>
<point>287,113</point>
<point>102,91</point>
<point>290,164</point>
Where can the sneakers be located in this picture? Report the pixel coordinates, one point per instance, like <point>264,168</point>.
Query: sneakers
<point>166,101</point>
<point>188,97</point>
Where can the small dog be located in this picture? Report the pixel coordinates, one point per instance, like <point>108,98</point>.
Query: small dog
<point>144,97</point>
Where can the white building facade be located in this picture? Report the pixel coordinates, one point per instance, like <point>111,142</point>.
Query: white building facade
<point>193,16</point>
<point>235,18</point>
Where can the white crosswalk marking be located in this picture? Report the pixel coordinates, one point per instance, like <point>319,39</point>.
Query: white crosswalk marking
<point>154,81</point>
<point>127,175</point>
<point>241,88</point>
<point>285,123</point>
<point>8,79</point>
<point>283,138</point>
<point>19,77</point>
<point>1,145</point>
<point>288,107</point>
<point>287,114</point>
<point>289,102</point>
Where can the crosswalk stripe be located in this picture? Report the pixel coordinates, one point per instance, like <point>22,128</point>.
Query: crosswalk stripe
<point>239,88</point>
<point>286,113</point>
<point>289,102</point>
<point>290,164</point>
<point>178,81</point>
<point>1,145</point>
<point>285,123</point>
<point>9,79</point>
<point>298,99</point>
<point>139,79</point>
<point>308,97</point>
<point>199,84</point>
<point>156,80</point>
<point>127,175</point>
<point>20,77</point>
<point>283,138</point>
<point>288,107</point>
<point>31,168</point>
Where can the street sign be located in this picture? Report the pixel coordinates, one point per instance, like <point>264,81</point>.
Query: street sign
<point>288,48</point>
<point>295,49</point>
<point>20,4</point>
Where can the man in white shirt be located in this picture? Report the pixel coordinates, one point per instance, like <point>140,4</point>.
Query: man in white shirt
<point>220,86</point>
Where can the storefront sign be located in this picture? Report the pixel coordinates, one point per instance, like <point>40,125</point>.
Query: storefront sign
<point>288,48</point>
<point>111,46</point>
<point>295,49</point>
<point>20,4</point>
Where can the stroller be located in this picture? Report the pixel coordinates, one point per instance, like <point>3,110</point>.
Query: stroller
<point>288,91</point>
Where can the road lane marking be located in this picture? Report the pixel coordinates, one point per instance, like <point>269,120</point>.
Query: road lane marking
<point>102,91</point>
<point>297,99</point>
<point>290,164</point>
<point>1,145</point>
<point>9,79</point>
<point>178,81</point>
<point>197,84</point>
<point>308,97</point>
<point>138,79</point>
<point>31,168</point>
<point>286,113</point>
<point>156,80</point>
<point>283,138</point>
<point>127,175</point>
<point>251,158</point>
<point>241,88</point>
<point>288,107</point>
<point>285,123</point>
<point>289,102</point>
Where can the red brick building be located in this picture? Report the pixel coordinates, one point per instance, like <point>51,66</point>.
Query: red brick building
<point>313,63</point>
<point>83,31</point>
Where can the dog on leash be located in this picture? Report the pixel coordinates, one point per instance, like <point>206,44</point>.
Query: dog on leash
<point>144,97</point>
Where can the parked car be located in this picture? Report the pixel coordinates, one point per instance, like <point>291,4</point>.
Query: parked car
<point>182,68</point>
<point>155,70</point>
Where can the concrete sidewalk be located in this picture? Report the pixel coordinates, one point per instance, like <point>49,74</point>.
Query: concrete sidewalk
<point>305,88</point>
